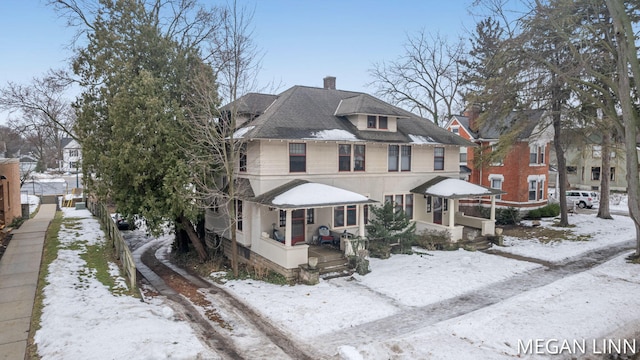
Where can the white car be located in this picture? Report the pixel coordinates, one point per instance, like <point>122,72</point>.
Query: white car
<point>583,198</point>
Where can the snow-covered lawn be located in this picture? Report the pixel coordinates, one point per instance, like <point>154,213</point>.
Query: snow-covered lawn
<point>601,233</point>
<point>585,306</point>
<point>342,317</point>
<point>83,319</point>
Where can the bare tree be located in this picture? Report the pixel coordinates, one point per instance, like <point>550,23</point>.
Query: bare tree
<point>628,73</point>
<point>216,147</point>
<point>425,79</point>
<point>40,112</point>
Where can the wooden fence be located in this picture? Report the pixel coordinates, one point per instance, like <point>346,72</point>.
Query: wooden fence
<point>122,251</point>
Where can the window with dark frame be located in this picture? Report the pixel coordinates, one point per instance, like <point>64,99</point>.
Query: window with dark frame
<point>344,157</point>
<point>438,158</point>
<point>297,157</point>
<point>428,203</point>
<point>408,205</point>
<point>243,158</point>
<point>352,215</point>
<point>613,174</point>
<point>359,152</point>
<point>239,215</point>
<point>338,216</point>
<point>595,173</point>
<point>445,204</point>
<point>394,154</point>
<point>311,217</point>
<point>405,158</point>
<point>371,122</point>
<point>283,218</point>
<point>383,122</point>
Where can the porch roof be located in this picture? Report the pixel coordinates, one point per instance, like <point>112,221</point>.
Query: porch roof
<point>299,194</point>
<point>450,188</point>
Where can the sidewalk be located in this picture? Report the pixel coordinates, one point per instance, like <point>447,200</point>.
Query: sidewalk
<point>19,268</point>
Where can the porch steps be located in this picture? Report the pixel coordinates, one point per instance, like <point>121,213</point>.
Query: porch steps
<point>331,262</point>
<point>478,244</point>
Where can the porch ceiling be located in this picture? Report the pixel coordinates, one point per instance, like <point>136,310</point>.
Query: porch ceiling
<point>450,188</point>
<point>298,194</point>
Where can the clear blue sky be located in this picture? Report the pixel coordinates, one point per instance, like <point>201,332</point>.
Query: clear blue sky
<point>302,40</point>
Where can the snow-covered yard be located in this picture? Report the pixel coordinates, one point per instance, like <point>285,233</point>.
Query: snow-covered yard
<point>82,319</point>
<point>361,317</point>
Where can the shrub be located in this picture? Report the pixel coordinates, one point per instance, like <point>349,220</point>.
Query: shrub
<point>504,216</point>
<point>551,210</point>
<point>434,240</point>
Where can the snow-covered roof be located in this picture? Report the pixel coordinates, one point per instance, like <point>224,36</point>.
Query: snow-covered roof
<point>303,194</point>
<point>454,188</point>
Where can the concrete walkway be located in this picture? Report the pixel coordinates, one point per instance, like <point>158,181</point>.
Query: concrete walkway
<point>19,268</point>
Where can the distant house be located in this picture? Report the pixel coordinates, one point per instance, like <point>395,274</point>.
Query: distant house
<point>583,156</point>
<point>319,157</point>
<point>10,207</point>
<point>27,164</point>
<point>71,155</point>
<point>523,173</point>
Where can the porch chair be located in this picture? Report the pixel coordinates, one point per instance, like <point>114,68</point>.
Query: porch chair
<point>324,236</point>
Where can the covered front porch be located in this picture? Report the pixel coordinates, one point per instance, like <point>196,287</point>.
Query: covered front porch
<point>437,208</point>
<point>301,213</point>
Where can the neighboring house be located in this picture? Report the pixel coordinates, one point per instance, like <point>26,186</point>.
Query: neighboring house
<point>584,163</point>
<point>320,157</point>
<point>71,155</point>
<point>10,207</point>
<point>523,173</point>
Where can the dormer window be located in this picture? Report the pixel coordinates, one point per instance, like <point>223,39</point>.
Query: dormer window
<point>377,122</point>
<point>372,122</point>
<point>383,122</point>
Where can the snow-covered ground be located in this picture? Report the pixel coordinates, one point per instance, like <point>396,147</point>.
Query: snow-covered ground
<point>83,319</point>
<point>32,200</point>
<point>375,316</point>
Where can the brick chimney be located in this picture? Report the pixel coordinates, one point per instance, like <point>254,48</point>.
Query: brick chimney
<point>330,82</point>
<point>472,112</point>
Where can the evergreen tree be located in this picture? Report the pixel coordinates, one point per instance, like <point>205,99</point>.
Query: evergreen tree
<point>132,113</point>
<point>389,225</point>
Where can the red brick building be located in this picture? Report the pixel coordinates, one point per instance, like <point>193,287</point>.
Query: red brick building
<point>522,171</point>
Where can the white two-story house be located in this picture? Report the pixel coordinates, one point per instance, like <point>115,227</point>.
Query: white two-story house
<point>71,155</point>
<point>320,157</point>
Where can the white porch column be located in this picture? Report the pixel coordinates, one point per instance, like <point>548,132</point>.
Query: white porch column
<point>287,229</point>
<point>361,220</point>
<point>452,212</point>
<point>493,208</point>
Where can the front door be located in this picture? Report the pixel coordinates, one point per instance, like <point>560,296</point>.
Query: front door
<point>297,226</point>
<point>437,210</point>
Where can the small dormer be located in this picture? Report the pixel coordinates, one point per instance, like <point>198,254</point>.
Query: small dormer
<point>368,113</point>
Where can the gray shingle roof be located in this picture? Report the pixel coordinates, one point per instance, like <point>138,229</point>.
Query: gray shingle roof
<point>251,103</point>
<point>302,112</point>
<point>492,128</point>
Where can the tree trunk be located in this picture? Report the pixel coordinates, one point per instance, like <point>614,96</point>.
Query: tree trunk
<point>627,57</point>
<point>605,176</point>
<point>562,162</point>
<point>195,241</point>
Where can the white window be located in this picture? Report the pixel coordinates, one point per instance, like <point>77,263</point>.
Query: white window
<point>536,187</point>
<point>536,154</point>
<point>496,161</point>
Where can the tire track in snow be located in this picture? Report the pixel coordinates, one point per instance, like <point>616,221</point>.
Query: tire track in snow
<point>416,318</point>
